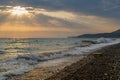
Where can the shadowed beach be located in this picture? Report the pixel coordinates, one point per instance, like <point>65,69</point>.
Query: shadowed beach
<point>103,64</point>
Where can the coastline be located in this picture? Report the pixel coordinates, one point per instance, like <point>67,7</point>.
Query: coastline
<point>103,64</point>
<point>45,71</point>
<point>65,73</point>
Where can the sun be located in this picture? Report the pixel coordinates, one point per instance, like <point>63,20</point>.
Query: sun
<point>18,10</point>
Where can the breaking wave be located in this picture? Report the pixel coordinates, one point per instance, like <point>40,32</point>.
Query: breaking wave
<point>25,62</point>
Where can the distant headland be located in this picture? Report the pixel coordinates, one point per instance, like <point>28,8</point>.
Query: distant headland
<point>115,34</point>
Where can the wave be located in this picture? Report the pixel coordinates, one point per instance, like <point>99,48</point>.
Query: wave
<point>26,62</point>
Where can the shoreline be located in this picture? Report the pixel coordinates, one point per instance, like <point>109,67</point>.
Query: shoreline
<point>63,69</point>
<point>45,71</point>
<point>103,64</point>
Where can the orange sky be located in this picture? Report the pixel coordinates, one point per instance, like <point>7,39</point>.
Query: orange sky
<point>24,22</point>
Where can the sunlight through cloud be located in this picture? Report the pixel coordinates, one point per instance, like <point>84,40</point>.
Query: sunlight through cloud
<point>18,10</point>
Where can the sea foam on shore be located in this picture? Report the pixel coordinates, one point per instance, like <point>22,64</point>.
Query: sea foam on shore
<point>26,62</point>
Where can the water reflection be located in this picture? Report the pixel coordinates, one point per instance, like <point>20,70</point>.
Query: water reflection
<point>13,47</point>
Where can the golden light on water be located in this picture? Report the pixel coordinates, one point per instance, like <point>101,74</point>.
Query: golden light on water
<point>18,10</point>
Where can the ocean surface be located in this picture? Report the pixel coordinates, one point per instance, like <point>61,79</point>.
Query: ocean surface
<point>22,55</point>
<point>10,48</point>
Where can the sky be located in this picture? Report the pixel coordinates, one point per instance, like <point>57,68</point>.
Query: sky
<point>57,18</point>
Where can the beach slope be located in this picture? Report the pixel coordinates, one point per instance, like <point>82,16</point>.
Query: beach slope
<point>103,64</point>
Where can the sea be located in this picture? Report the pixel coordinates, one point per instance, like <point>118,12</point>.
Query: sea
<point>20,55</point>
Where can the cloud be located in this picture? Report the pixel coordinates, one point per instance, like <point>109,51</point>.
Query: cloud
<point>71,17</point>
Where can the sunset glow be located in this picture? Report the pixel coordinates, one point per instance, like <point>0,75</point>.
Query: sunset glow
<point>18,10</point>
<point>65,17</point>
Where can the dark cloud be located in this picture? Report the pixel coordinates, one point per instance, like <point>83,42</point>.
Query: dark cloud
<point>79,16</point>
<point>105,8</point>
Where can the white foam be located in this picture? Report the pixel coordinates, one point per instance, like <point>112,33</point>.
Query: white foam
<point>26,62</point>
<point>104,40</point>
<point>13,66</point>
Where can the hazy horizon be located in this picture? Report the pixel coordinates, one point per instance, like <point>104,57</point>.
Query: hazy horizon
<point>57,18</point>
